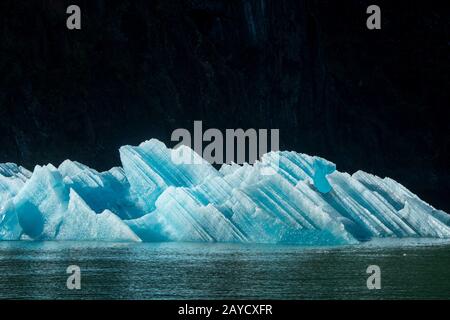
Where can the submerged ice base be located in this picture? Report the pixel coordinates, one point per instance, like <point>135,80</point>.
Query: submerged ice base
<point>151,198</point>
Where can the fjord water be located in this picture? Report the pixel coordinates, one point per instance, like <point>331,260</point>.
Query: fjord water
<point>410,269</point>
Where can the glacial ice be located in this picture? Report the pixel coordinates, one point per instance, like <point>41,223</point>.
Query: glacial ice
<point>101,191</point>
<point>105,226</point>
<point>46,208</point>
<point>304,200</point>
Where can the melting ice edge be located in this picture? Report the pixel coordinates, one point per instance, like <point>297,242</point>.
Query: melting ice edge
<point>151,198</point>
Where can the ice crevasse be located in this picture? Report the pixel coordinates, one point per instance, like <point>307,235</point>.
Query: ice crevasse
<point>152,198</point>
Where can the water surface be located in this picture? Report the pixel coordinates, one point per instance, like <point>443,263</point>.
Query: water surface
<point>410,269</point>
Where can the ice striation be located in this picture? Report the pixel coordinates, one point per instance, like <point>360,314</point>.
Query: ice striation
<point>304,200</point>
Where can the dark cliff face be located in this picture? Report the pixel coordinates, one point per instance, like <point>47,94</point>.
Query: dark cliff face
<point>371,100</point>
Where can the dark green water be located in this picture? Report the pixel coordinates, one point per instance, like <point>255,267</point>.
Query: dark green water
<point>410,269</point>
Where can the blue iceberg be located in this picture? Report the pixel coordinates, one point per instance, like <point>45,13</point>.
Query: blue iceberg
<point>152,198</point>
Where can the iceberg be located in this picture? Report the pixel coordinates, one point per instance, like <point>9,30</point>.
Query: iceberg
<point>152,197</point>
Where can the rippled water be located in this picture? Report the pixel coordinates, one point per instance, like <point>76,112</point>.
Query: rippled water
<point>409,269</point>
